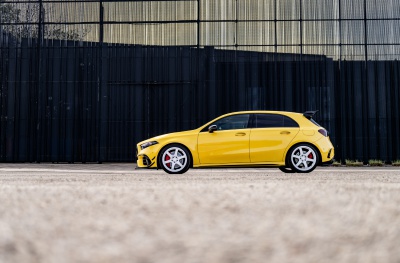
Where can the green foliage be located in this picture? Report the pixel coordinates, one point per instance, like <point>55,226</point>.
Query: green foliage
<point>353,163</point>
<point>396,163</point>
<point>336,164</point>
<point>374,162</point>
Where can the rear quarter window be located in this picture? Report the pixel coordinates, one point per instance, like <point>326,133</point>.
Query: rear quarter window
<point>273,121</point>
<point>289,122</point>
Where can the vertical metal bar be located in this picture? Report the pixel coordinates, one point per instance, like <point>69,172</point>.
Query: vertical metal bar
<point>9,102</point>
<point>340,32</point>
<point>199,83</point>
<point>39,143</point>
<point>301,30</point>
<point>40,26</point>
<point>339,109</point>
<point>365,32</point>
<point>100,82</point>
<point>198,26</point>
<point>24,102</point>
<point>366,95</point>
<point>101,32</point>
<point>236,28</point>
<point>276,28</point>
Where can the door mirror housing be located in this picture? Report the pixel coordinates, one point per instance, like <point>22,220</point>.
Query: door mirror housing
<point>212,128</point>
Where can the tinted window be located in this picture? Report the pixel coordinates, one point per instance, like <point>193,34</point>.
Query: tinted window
<point>273,121</point>
<point>268,120</point>
<point>233,122</point>
<point>288,122</point>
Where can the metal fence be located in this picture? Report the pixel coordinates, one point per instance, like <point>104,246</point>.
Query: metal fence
<point>83,81</point>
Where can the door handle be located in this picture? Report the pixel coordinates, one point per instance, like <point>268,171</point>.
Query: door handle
<point>285,132</point>
<point>240,134</point>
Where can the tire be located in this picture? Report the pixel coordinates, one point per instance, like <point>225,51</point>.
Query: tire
<point>286,170</point>
<point>303,158</point>
<point>175,159</point>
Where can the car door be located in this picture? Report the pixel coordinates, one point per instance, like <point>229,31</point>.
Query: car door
<point>270,136</point>
<point>228,144</point>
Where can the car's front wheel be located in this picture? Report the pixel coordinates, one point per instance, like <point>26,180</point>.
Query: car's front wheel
<point>303,158</point>
<point>175,159</point>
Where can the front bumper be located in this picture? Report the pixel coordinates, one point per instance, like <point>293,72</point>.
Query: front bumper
<point>144,161</point>
<point>147,158</point>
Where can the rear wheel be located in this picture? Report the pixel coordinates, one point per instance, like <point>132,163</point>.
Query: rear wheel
<point>303,158</point>
<point>175,159</point>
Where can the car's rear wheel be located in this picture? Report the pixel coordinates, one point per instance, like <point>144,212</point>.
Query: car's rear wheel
<point>303,158</point>
<point>175,159</point>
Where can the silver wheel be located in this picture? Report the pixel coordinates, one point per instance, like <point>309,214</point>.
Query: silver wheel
<point>175,160</point>
<point>303,158</point>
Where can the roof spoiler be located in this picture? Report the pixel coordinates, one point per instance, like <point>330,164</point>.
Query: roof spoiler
<point>309,114</point>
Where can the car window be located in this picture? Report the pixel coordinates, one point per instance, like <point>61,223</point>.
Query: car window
<point>233,122</point>
<point>273,121</point>
<point>289,122</point>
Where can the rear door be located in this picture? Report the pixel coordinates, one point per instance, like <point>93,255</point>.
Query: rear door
<point>270,136</point>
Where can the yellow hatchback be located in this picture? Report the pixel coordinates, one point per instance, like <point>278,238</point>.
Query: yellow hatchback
<point>292,142</point>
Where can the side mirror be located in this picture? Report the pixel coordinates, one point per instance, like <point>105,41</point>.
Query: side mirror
<point>212,128</point>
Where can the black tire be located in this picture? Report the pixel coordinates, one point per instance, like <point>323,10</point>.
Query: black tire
<point>175,159</point>
<point>286,170</point>
<point>302,158</point>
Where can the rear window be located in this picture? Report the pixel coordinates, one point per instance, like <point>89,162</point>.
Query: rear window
<point>273,121</point>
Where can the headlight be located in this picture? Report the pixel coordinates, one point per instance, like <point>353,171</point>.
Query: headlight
<point>147,144</point>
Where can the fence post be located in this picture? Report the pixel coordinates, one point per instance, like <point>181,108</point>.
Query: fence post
<point>39,137</point>
<point>100,88</point>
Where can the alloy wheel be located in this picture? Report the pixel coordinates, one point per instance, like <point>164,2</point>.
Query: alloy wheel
<point>174,160</point>
<point>303,158</point>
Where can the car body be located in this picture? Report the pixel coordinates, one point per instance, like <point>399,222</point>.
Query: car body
<point>291,141</point>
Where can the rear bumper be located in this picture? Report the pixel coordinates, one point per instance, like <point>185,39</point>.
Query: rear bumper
<point>326,149</point>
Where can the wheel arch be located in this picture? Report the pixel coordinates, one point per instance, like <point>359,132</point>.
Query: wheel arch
<point>158,160</point>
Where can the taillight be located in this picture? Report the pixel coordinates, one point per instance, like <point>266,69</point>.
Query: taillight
<point>323,132</point>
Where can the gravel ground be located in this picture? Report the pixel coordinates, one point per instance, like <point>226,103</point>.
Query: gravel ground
<point>113,213</point>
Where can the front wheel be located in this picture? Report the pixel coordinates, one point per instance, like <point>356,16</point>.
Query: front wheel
<point>303,158</point>
<point>175,159</point>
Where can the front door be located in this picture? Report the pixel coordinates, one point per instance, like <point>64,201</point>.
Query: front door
<point>228,144</point>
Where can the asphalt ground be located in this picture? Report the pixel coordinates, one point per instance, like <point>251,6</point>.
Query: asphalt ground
<point>114,213</point>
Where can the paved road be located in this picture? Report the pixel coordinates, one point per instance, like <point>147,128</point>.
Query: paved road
<point>113,213</point>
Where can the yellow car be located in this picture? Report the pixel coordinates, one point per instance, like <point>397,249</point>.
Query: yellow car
<point>291,141</point>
